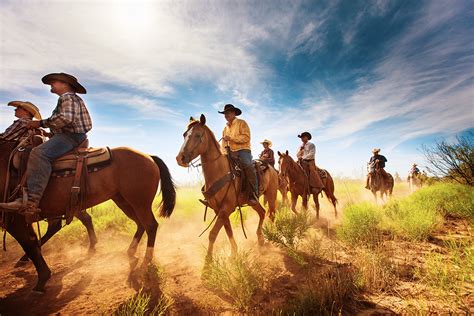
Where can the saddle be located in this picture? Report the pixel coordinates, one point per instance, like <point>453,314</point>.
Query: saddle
<point>78,162</point>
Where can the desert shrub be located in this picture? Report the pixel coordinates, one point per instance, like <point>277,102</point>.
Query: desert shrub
<point>410,220</point>
<point>288,231</point>
<point>237,277</point>
<point>375,271</point>
<point>360,224</point>
<point>448,199</point>
<point>327,292</point>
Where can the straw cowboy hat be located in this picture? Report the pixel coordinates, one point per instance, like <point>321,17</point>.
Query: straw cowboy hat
<point>414,165</point>
<point>71,80</point>
<point>375,150</point>
<point>28,106</point>
<point>307,134</point>
<point>267,141</point>
<point>231,107</point>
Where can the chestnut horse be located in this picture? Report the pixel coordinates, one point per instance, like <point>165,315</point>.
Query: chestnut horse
<point>377,183</point>
<point>131,181</point>
<point>298,184</point>
<point>199,140</point>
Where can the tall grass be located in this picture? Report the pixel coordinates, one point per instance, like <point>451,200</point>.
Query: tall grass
<point>288,231</point>
<point>361,224</point>
<point>150,299</point>
<point>330,291</point>
<point>237,278</point>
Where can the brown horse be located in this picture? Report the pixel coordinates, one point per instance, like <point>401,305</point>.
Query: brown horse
<point>298,184</point>
<point>131,181</point>
<point>377,183</point>
<point>283,187</point>
<point>416,180</point>
<point>199,140</point>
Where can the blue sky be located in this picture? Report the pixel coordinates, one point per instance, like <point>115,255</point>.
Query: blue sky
<point>356,74</point>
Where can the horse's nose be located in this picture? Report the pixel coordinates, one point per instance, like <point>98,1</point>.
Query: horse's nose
<point>181,159</point>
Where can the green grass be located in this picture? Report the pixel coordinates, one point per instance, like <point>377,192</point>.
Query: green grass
<point>288,231</point>
<point>237,278</point>
<point>414,217</point>
<point>361,224</point>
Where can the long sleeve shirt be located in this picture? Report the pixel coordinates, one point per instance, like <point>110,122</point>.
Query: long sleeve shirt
<point>69,116</point>
<point>382,160</point>
<point>307,151</point>
<point>14,131</point>
<point>268,156</point>
<point>239,133</point>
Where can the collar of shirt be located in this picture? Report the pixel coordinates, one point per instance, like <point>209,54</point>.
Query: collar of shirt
<point>66,93</point>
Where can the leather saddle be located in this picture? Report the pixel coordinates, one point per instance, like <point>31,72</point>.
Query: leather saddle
<point>95,156</point>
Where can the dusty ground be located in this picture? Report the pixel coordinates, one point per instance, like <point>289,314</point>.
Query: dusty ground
<point>97,283</point>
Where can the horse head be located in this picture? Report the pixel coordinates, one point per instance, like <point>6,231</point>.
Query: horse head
<point>284,162</point>
<point>196,140</point>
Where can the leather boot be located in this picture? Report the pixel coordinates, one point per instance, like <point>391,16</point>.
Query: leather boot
<point>252,182</point>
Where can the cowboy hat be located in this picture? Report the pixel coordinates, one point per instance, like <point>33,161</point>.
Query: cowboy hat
<point>415,165</point>
<point>267,141</point>
<point>71,80</point>
<point>307,134</point>
<point>376,150</point>
<point>231,107</point>
<point>28,106</point>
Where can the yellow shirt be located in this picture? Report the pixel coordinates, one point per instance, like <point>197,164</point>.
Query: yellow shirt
<point>239,133</point>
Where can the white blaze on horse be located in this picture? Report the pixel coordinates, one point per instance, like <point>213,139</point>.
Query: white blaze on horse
<point>223,187</point>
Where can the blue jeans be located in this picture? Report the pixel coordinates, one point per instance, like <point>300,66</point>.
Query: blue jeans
<point>42,157</point>
<point>245,157</point>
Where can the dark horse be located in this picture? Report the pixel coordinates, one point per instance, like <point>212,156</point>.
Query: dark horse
<point>378,183</point>
<point>298,184</point>
<point>131,181</point>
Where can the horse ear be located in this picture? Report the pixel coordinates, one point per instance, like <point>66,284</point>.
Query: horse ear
<point>279,153</point>
<point>202,119</point>
<point>287,152</point>
<point>191,119</point>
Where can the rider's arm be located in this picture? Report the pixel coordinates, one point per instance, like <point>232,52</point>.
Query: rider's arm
<point>64,115</point>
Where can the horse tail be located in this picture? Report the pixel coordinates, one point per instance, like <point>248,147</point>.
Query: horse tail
<point>168,188</point>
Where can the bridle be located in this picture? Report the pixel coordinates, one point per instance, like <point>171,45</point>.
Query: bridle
<point>197,162</point>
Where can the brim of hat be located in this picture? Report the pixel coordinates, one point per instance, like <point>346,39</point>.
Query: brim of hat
<point>36,114</point>
<point>309,137</point>
<point>236,110</point>
<point>269,143</point>
<point>78,88</point>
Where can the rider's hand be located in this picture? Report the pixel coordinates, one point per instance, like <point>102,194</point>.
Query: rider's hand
<point>227,138</point>
<point>33,124</point>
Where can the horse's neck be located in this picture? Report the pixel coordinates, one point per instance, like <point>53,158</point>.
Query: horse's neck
<point>294,171</point>
<point>214,163</point>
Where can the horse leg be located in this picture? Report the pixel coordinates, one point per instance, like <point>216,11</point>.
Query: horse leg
<point>271,207</point>
<point>213,235</point>
<point>53,227</point>
<point>294,199</point>
<point>27,239</point>
<point>316,203</point>
<point>86,220</point>
<point>230,235</point>
<point>261,214</point>
<point>128,210</point>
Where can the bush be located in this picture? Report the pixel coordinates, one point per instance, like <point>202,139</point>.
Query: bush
<point>411,220</point>
<point>237,278</point>
<point>375,271</point>
<point>326,292</point>
<point>288,231</point>
<point>360,224</point>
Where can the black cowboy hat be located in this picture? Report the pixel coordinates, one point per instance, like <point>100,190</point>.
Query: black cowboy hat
<point>67,78</point>
<point>307,134</point>
<point>231,107</point>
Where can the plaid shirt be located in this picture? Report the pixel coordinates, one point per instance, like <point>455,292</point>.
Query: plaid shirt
<point>14,131</point>
<point>69,116</point>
